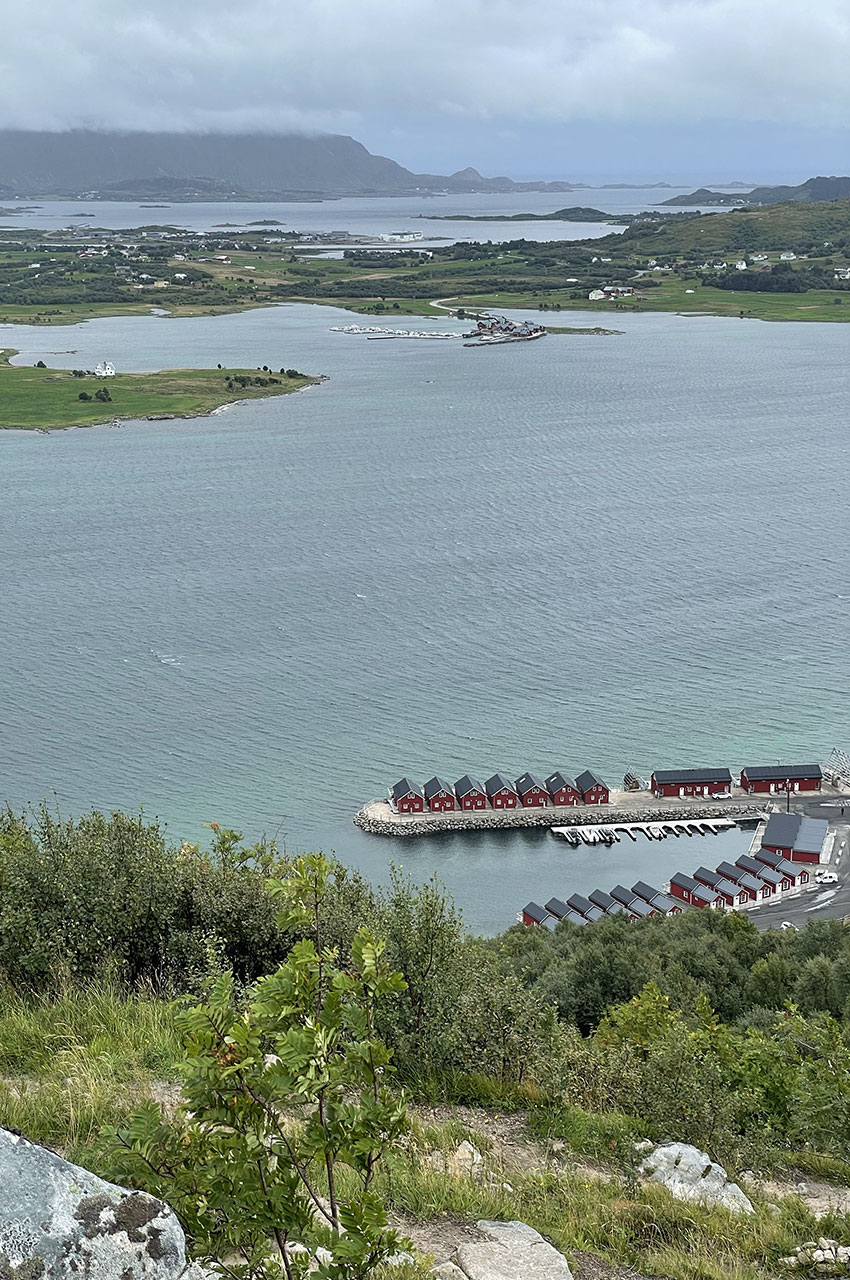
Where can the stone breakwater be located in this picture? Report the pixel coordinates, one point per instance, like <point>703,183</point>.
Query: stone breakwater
<point>378,819</point>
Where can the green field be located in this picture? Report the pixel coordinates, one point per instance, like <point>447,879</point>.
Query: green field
<point>46,399</point>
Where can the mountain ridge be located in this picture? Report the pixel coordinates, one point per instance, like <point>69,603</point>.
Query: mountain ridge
<point>812,191</point>
<point>194,166</point>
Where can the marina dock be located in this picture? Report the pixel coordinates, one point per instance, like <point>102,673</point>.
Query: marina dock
<point>611,832</point>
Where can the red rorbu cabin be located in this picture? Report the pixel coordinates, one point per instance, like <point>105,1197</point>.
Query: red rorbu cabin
<point>769,779</point>
<point>562,789</point>
<point>407,797</point>
<point>593,789</point>
<point>439,795</point>
<point>470,794</point>
<point>501,793</point>
<point>691,782</point>
<point>531,791</point>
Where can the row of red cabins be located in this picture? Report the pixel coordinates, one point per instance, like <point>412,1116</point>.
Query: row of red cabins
<point>789,842</point>
<point>528,792</point>
<point>755,780</point>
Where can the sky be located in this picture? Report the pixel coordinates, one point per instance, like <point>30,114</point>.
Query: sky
<point>693,90</point>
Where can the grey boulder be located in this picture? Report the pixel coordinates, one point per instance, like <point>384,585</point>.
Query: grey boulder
<point>58,1220</point>
<point>511,1251</point>
<point>689,1174</point>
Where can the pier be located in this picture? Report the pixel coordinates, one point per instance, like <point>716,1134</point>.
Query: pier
<point>627,813</point>
<point>611,832</point>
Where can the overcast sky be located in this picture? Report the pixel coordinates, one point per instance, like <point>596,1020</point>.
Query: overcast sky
<point>708,89</point>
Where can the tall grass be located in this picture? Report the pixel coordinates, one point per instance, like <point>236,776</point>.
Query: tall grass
<point>75,1062</point>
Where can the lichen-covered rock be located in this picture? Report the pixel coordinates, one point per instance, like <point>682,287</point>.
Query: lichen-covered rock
<point>60,1221</point>
<point>689,1174</point>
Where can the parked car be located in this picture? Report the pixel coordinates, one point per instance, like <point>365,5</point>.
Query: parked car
<point>786,924</point>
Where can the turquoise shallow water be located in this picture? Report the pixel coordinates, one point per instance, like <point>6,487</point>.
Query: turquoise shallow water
<point>616,552</point>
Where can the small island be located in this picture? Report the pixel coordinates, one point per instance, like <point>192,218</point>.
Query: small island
<point>42,399</point>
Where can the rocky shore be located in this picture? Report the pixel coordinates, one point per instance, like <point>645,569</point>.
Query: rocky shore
<point>377,818</point>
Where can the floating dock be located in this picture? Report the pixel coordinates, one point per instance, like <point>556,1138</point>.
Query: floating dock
<point>611,832</point>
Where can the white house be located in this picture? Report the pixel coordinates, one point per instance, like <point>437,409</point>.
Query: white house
<point>596,295</point>
<point>740,265</point>
<point>787,256</point>
<point>104,369</point>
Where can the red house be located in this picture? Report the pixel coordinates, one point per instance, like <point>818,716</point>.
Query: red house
<point>769,880</point>
<point>531,791</point>
<point>533,913</point>
<point>407,797</point>
<point>687,889</point>
<point>470,794</point>
<point>562,789</point>
<point>691,782</point>
<point>769,779</point>
<point>793,873</point>
<point>728,890</point>
<point>500,792</point>
<point>797,838</point>
<point>439,795</point>
<point>593,789</point>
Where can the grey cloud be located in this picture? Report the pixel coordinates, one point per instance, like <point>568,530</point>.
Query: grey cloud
<point>329,64</point>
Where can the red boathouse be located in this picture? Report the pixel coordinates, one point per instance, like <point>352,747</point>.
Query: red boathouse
<point>563,790</point>
<point>593,789</point>
<point>769,779</point>
<point>470,794</point>
<point>407,797</point>
<point>501,793</point>
<point>797,838</point>
<point>691,782</point>
<point>531,791</point>
<point>439,795</point>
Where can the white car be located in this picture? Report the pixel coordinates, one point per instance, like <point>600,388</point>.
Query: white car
<point>826,877</point>
<point>786,924</point>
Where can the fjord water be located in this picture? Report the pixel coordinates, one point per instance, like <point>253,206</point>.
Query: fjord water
<point>610,551</point>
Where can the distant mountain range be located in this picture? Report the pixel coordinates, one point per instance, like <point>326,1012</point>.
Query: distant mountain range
<point>812,191</point>
<point>194,166</point>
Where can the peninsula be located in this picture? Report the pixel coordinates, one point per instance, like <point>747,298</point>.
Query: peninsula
<point>42,399</point>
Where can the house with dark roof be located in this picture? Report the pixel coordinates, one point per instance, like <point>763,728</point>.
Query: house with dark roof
<point>727,889</point>
<point>563,789</point>
<point>609,905</point>
<point>691,782</point>
<point>772,778</point>
<point>689,890</point>
<point>593,789</point>
<point>750,888</point>
<point>575,918</point>
<point>585,907</point>
<point>533,913</point>
<point>793,873</point>
<point>797,838</point>
<point>439,795</point>
<point>769,880</point>
<point>470,794</point>
<point>407,797</point>
<point>635,906</point>
<point>660,901</point>
<point>501,793</point>
<point>557,908</point>
<point>531,791</point>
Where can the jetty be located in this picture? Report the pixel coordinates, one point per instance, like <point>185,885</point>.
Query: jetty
<point>626,812</point>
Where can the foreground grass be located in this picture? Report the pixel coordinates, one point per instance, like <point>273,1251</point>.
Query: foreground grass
<point>32,399</point>
<point>74,1063</point>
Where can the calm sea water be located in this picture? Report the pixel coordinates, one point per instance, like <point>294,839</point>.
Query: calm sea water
<point>617,552</point>
<point>360,216</point>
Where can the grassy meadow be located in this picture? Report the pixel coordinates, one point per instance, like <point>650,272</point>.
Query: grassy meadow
<point>44,399</point>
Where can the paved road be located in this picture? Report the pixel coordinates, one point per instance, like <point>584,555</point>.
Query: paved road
<point>820,902</point>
